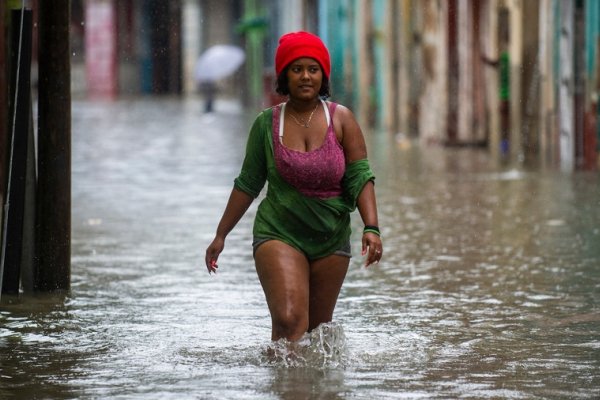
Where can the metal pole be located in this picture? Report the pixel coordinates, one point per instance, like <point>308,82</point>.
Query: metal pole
<point>3,104</point>
<point>54,148</point>
<point>3,123</point>
<point>14,206</point>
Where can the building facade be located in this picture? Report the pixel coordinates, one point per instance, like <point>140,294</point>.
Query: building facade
<point>444,72</point>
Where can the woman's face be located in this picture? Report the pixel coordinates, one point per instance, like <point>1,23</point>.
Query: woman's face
<point>304,78</point>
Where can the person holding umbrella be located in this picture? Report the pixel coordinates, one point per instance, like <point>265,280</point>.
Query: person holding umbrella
<point>216,63</point>
<point>313,155</point>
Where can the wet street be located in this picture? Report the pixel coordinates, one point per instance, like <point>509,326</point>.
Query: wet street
<point>489,286</point>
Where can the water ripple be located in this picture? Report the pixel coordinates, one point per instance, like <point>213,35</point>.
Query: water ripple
<point>488,287</point>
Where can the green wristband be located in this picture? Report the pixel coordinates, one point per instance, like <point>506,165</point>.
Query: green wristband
<point>371,229</point>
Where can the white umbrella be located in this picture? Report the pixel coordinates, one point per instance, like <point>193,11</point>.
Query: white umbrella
<point>218,62</point>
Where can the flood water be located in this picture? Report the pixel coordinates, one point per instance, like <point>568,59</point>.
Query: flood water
<point>489,286</point>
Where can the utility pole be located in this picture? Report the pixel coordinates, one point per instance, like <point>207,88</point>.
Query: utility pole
<point>54,149</point>
<point>20,113</point>
<point>3,105</point>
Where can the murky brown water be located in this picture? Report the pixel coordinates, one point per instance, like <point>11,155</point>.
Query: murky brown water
<point>490,285</point>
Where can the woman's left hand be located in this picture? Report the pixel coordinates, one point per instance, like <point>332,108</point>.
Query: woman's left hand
<point>372,247</point>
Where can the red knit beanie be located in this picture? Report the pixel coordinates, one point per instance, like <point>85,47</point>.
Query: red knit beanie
<point>300,44</point>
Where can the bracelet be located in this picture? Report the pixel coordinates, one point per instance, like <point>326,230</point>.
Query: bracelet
<point>371,229</point>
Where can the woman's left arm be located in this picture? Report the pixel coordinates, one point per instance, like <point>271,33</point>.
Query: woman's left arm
<point>355,149</point>
<point>371,241</point>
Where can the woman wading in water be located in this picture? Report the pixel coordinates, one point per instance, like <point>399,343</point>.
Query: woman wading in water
<point>313,155</point>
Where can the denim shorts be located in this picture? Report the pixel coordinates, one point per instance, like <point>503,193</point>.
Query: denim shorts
<point>345,250</point>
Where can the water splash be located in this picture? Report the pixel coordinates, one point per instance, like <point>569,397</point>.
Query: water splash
<point>324,347</point>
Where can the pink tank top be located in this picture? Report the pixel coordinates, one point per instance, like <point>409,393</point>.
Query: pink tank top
<point>316,173</point>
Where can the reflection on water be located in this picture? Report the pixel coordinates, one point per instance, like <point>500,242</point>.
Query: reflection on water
<point>489,288</point>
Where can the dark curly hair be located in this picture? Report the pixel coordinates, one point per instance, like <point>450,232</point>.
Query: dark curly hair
<point>283,89</point>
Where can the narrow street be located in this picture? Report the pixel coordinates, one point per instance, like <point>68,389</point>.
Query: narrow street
<point>489,286</point>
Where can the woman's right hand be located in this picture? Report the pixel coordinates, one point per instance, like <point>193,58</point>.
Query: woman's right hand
<point>212,254</point>
<point>237,205</point>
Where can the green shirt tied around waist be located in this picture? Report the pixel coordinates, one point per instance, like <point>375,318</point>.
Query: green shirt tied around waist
<point>317,227</point>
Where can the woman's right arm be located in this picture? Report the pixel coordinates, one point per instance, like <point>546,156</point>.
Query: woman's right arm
<point>246,188</point>
<point>237,205</point>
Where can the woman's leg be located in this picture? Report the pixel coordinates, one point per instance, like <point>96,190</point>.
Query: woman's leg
<point>284,275</point>
<point>326,277</point>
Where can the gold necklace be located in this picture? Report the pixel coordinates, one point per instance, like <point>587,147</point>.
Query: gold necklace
<point>300,121</point>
